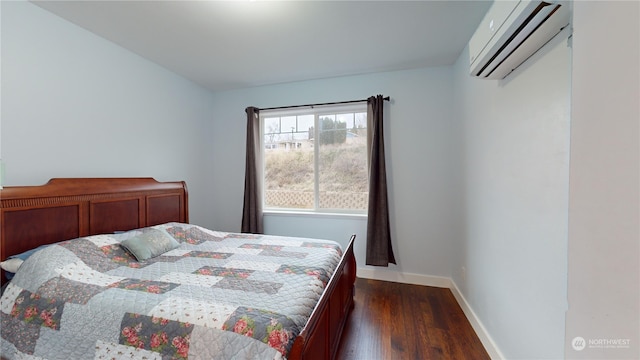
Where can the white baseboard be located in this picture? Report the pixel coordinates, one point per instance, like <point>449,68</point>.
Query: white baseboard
<point>405,278</point>
<point>489,345</point>
<point>442,282</point>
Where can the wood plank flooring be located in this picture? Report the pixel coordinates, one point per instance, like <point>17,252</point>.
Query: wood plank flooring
<point>402,321</point>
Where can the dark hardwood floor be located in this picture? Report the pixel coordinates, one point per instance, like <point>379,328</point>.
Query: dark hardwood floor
<point>402,321</point>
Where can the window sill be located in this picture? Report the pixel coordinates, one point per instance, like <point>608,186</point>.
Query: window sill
<point>327,215</point>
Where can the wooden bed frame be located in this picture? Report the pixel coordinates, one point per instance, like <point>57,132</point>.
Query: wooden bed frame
<point>69,208</point>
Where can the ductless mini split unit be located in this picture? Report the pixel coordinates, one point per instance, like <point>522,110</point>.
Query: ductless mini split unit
<point>511,32</point>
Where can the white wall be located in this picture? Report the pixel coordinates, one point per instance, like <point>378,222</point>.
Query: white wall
<point>417,133</point>
<point>604,215</point>
<point>76,105</point>
<point>509,257</point>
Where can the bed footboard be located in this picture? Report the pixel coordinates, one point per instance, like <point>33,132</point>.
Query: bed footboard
<point>320,338</point>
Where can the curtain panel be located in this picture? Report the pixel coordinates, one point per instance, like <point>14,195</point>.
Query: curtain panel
<point>379,250</point>
<point>252,209</point>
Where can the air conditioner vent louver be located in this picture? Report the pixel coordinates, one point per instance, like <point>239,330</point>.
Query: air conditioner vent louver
<point>511,32</point>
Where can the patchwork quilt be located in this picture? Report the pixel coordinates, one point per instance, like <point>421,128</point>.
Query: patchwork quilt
<point>215,296</point>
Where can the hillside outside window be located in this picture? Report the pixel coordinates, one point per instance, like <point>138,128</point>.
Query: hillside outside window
<point>315,159</point>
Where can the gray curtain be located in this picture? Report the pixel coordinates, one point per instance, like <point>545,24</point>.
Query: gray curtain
<point>252,210</point>
<point>379,250</point>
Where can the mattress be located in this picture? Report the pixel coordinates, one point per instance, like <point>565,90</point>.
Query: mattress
<point>201,294</point>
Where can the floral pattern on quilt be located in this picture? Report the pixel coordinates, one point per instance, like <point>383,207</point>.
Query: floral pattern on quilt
<point>208,254</point>
<point>317,273</point>
<point>150,286</point>
<point>218,295</point>
<point>224,272</point>
<point>69,291</point>
<point>273,329</point>
<point>194,236</point>
<point>26,343</point>
<point>167,337</point>
<point>262,247</point>
<point>334,246</point>
<point>34,309</point>
<point>247,285</point>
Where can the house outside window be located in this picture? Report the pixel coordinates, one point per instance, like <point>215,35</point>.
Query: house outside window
<point>315,159</point>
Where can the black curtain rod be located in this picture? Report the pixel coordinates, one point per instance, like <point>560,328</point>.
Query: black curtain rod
<point>312,105</point>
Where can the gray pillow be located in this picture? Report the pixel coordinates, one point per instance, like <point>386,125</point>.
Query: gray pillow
<point>149,244</point>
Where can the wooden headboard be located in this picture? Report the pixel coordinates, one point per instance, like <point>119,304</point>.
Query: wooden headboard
<point>68,208</point>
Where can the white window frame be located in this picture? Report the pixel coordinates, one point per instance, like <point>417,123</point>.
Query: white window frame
<point>317,111</point>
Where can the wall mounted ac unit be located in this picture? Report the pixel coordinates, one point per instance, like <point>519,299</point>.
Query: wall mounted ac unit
<point>511,32</point>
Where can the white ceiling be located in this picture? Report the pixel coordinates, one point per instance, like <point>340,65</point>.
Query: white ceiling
<point>226,45</point>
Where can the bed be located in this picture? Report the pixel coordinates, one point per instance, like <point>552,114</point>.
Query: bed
<point>124,269</point>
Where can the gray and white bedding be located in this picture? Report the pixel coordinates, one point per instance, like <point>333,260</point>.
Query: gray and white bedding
<point>213,295</point>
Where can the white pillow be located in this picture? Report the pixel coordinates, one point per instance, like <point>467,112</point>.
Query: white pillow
<point>11,265</point>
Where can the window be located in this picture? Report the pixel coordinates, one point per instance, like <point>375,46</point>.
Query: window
<point>316,159</point>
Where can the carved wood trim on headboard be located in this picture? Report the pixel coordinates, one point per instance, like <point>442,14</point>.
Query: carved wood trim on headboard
<point>67,208</point>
